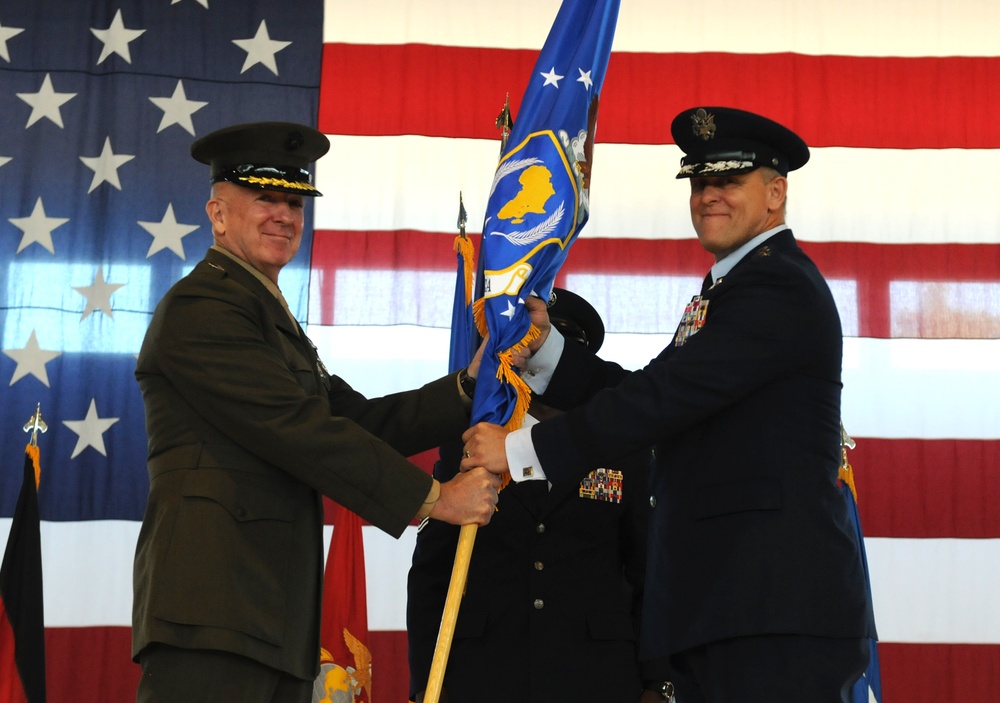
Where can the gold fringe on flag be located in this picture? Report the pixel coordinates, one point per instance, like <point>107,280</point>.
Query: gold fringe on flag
<point>463,245</point>
<point>846,474</point>
<point>34,452</point>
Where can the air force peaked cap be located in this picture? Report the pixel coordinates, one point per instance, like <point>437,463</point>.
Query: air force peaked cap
<point>263,155</point>
<point>575,318</point>
<point>722,141</point>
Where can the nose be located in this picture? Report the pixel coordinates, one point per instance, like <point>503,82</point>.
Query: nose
<point>281,211</point>
<point>706,194</point>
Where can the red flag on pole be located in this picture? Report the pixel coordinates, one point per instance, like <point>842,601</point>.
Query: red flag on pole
<point>345,657</point>
<point>22,618</point>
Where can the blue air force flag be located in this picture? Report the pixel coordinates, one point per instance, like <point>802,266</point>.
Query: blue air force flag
<point>539,198</point>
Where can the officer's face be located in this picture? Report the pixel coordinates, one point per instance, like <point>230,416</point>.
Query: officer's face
<point>262,227</point>
<point>728,211</point>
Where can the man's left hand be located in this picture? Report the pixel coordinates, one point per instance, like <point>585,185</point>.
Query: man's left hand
<point>484,446</point>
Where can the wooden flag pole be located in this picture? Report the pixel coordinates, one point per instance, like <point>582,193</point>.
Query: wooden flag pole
<point>456,588</point>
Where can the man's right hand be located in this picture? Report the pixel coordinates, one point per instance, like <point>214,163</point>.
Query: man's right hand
<point>538,312</point>
<point>470,497</point>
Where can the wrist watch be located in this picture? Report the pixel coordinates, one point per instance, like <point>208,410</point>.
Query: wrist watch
<point>467,382</point>
<point>664,688</point>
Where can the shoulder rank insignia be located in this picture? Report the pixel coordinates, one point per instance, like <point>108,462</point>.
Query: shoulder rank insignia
<point>602,484</point>
<point>692,320</point>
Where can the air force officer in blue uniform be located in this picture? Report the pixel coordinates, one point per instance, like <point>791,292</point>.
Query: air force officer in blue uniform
<point>755,589</point>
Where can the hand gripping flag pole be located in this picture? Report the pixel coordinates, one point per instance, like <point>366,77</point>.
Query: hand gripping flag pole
<point>539,201</point>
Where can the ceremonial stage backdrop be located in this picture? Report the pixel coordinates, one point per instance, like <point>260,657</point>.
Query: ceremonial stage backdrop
<point>101,209</point>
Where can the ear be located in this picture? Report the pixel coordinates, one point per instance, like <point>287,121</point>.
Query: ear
<point>216,215</point>
<point>777,190</point>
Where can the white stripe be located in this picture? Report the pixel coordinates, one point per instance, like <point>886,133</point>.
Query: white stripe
<point>893,388</point>
<point>87,572</point>
<point>924,590</point>
<point>844,27</point>
<point>413,182</point>
<point>935,590</point>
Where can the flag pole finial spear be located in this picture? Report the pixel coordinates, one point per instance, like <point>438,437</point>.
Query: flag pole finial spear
<point>845,473</point>
<point>35,425</point>
<point>463,216</point>
<point>504,123</point>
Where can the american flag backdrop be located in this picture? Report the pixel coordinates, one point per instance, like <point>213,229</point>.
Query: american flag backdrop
<point>101,209</point>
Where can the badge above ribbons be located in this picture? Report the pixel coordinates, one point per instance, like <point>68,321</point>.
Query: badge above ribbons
<point>539,201</point>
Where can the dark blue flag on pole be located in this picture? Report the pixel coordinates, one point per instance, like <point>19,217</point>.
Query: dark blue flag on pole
<point>22,614</point>
<point>539,199</point>
<point>464,337</point>
<point>868,688</point>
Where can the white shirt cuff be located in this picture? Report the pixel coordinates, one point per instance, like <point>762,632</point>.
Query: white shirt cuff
<point>542,364</point>
<point>521,457</point>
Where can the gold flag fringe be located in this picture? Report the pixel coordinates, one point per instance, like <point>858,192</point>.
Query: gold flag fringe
<point>846,474</point>
<point>507,373</point>
<point>463,245</point>
<point>36,460</point>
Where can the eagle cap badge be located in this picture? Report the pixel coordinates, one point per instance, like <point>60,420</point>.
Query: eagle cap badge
<point>703,124</point>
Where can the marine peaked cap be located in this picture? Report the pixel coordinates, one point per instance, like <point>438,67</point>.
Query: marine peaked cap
<point>724,141</point>
<point>263,155</point>
<point>575,318</point>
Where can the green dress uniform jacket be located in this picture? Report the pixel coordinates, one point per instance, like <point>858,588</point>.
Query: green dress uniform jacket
<point>246,431</point>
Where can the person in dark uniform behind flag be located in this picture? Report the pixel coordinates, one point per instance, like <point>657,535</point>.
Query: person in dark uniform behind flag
<point>755,587</point>
<point>246,430</point>
<point>551,605</point>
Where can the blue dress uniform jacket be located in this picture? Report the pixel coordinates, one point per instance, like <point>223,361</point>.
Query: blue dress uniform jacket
<point>749,534</point>
<point>551,605</point>
<point>246,430</point>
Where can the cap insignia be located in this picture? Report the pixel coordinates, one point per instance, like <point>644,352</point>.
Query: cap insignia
<point>704,124</point>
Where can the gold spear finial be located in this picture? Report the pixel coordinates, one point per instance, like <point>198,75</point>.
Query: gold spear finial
<point>845,439</point>
<point>845,472</point>
<point>35,425</point>
<point>845,443</point>
<point>504,123</point>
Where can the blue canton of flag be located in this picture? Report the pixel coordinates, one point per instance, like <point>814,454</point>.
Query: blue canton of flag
<point>102,209</point>
<point>539,199</point>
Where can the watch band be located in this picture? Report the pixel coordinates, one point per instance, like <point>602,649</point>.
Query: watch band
<point>664,688</point>
<point>467,382</point>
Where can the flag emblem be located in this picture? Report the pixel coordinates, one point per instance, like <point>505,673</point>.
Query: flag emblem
<point>533,182</point>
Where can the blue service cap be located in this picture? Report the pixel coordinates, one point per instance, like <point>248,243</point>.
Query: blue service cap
<point>575,318</point>
<point>722,141</point>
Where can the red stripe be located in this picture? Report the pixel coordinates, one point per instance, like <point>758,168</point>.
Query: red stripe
<point>90,664</point>
<point>928,488</point>
<point>873,266</point>
<point>916,488</point>
<point>11,690</point>
<point>96,660</point>
<point>929,673</point>
<point>836,100</point>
